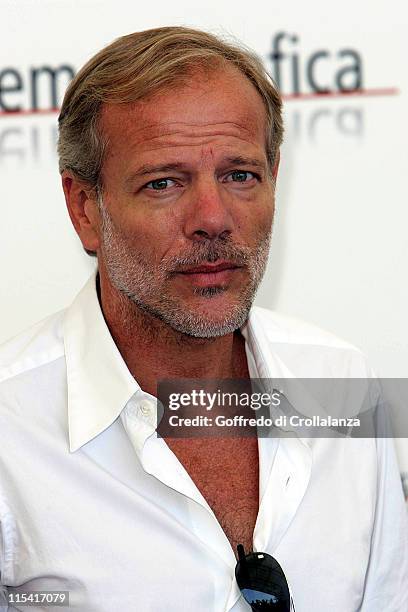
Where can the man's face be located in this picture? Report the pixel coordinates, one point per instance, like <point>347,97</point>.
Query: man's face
<point>188,203</point>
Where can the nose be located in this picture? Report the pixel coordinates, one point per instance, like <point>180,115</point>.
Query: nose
<point>208,213</point>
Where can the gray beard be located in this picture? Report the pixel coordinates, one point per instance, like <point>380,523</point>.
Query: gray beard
<point>145,285</point>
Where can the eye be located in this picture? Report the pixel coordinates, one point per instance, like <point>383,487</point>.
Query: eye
<point>160,184</point>
<point>240,176</point>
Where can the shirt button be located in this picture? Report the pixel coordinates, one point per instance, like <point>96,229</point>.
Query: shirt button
<point>146,407</point>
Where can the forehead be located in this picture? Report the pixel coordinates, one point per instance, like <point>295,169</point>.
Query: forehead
<point>222,108</point>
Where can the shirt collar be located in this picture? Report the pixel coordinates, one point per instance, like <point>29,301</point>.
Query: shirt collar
<point>270,366</point>
<point>99,382</point>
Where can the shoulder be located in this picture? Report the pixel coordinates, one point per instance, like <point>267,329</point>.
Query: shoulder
<point>37,346</point>
<point>308,350</point>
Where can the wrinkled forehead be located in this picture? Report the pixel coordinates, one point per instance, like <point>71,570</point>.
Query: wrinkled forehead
<point>224,101</point>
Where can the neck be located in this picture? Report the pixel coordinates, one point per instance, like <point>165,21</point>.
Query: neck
<point>153,351</point>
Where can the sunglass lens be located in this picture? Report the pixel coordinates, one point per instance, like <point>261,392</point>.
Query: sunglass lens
<point>263,583</point>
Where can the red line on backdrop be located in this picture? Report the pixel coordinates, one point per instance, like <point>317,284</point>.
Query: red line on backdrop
<point>390,91</point>
<point>385,91</point>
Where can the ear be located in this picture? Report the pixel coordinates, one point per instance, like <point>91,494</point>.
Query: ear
<point>276,166</point>
<point>82,209</point>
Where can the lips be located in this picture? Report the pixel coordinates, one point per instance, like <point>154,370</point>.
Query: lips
<point>210,268</point>
<point>211,275</point>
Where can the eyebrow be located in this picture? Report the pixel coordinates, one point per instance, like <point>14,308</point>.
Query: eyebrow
<point>245,161</point>
<point>163,168</point>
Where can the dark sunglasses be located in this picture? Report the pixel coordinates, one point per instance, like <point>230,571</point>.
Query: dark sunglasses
<point>262,582</point>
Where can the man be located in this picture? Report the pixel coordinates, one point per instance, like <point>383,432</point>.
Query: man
<point>169,153</point>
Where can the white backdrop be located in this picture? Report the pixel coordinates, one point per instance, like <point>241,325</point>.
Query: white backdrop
<point>340,250</point>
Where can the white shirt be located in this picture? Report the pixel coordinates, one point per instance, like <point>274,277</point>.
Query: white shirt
<point>92,502</point>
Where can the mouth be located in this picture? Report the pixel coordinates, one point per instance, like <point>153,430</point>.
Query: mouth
<point>210,275</point>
